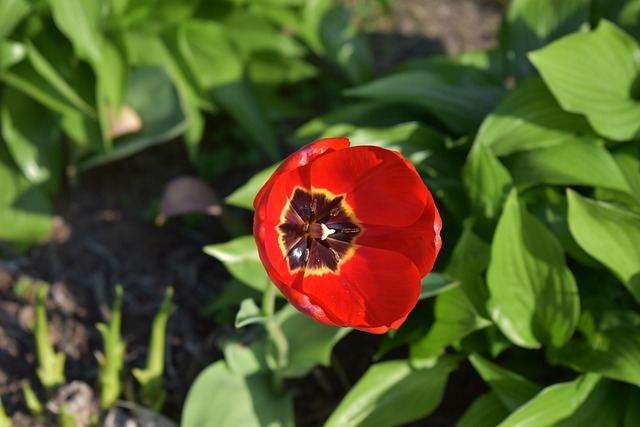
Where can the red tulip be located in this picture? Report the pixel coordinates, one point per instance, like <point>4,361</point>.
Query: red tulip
<point>346,234</point>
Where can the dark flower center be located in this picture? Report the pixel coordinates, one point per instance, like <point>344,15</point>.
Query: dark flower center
<point>317,231</point>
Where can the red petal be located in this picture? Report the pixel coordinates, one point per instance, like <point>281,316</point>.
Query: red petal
<point>377,184</point>
<point>302,157</point>
<point>375,290</point>
<point>420,241</point>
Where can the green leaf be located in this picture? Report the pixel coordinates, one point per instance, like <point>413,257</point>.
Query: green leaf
<point>11,53</point>
<point>575,161</point>
<point>611,352</point>
<point>221,398</point>
<point>33,138</point>
<point>468,262</point>
<point>25,210</point>
<point>241,101</point>
<point>532,24</point>
<point>81,22</point>
<point>245,359</point>
<point>534,297</point>
<point>248,313</point>
<point>588,400</point>
<point>435,283</point>
<point>240,256</point>
<point>455,318</point>
<point>488,182</point>
<point>512,390</point>
<point>609,234</point>
<point>11,13</point>
<point>309,343</point>
<point>208,53</point>
<point>243,196</point>
<point>528,118</point>
<point>485,411</point>
<point>624,13</point>
<point>151,94</point>
<point>593,74</point>
<point>458,96</point>
<point>393,393</point>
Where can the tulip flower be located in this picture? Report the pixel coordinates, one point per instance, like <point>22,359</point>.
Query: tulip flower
<point>347,233</point>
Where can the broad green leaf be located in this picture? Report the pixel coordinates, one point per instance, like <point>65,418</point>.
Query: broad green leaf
<point>627,157</point>
<point>32,135</point>
<point>208,53</point>
<point>221,398</point>
<point>241,101</point>
<point>358,115</point>
<point>393,393</point>
<point>488,182</point>
<point>243,196</point>
<point>48,72</point>
<point>534,297</point>
<point>309,342</point>
<point>245,359</point>
<point>81,22</point>
<point>609,234</point>
<point>25,210</point>
<point>11,13</point>
<point>485,411</point>
<point>625,13</point>
<point>612,352</point>
<point>151,94</point>
<point>468,262</point>
<point>528,118</point>
<point>574,161</point>
<point>455,318</point>
<point>435,283</point>
<point>458,96</point>
<point>344,45</point>
<point>512,389</point>
<point>586,401</point>
<point>532,24</point>
<point>240,256</point>
<point>593,74</point>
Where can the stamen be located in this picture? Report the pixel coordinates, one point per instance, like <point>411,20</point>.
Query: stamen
<point>335,254</point>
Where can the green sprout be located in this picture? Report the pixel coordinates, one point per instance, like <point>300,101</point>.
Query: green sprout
<point>33,404</point>
<point>150,378</point>
<point>51,364</point>
<point>112,361</point>
<point>5,421</point>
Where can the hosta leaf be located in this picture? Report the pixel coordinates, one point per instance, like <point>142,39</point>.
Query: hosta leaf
<point>587,400</point>
<point>534,297</point>
<point>310,343</point>
<point>609,234</point>
<point>531,24</point>
<point>33,138</point>
<point>458,96</point>
<point>219,397</point>
<point>594,74</point>
<point>392,393</point>
<point>243,197</point>
<point>240,256</point>
<point>455,318</point>
<point>485,411</point>
<point>574,161</point>
<point>81,22</point>
<point>612,352</point>
<point>11,13</point>
<point>529,117</point>
<point>512,390</point>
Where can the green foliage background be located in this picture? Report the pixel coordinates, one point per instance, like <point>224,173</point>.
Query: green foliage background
<point>531,150</point>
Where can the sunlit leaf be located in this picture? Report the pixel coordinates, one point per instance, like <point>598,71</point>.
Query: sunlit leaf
<point>243,196</point>
<point>11,13</point>
<point>534,297</point>
<point>485,411</point>
<point>221,398</point>
<point>609,234</point>
<point>511,389</point>
<point>240,256</point>
<point>393,393</point>
<point>594,74</point>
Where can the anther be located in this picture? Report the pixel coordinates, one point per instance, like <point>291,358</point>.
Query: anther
<point>335,211</point>
<point>335,254</point>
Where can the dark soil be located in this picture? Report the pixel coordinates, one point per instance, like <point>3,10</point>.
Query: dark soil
<point>105,235</point>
